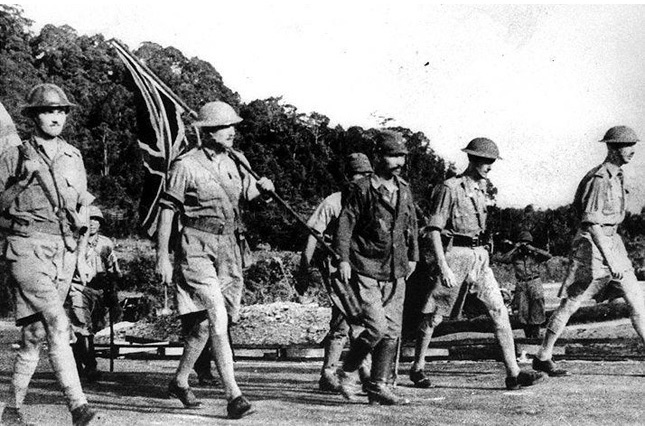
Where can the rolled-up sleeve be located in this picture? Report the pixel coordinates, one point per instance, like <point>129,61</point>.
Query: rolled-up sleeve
<point>591,201</point>
<point>440,204</point>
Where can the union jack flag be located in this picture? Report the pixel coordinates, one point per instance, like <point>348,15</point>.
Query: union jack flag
<point>161,135</point>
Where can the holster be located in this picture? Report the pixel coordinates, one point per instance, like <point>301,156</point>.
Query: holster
<point>245,249</point>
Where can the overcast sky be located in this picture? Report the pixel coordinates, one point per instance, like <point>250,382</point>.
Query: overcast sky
<point>543,81</point>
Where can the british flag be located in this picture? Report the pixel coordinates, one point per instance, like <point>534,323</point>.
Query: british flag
<point>161,134</point>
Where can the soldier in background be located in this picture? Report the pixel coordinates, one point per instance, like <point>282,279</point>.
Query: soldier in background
<point>598,257</point>
<point>378,247</point>
<point>44,195</point>
<point>204,188</point>
<point>457,232</point>
<point>87,303</point>
<point>325,221</point>
<point>529,291</point>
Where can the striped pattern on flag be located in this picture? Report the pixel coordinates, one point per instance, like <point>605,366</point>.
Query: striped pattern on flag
<point>161,136</point>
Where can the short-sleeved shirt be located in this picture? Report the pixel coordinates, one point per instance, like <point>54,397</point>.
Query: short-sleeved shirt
<point>458,206</point>
<point>324,216</point>
<point>32,204</point>
<point>600,197</point>
<point>203,183</point>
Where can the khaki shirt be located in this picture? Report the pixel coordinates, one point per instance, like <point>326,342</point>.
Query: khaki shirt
<point>32,204</point>
<point>458,206</point>
<point>600,197</point>
<point>203,183</point>
<point>326,213</point>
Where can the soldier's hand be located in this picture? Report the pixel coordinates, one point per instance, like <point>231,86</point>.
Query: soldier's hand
<point>164,269</point>
<point>614,269</point>
<point>447,276</point>
<point>345,271</point>
<point>265,185</point>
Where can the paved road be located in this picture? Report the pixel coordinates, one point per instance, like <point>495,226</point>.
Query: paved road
<point>284,393</point>
<point>466,393</point>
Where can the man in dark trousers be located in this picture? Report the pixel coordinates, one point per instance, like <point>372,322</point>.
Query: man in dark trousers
<point>378,247</point>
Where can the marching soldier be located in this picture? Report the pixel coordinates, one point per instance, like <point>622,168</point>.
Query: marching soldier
<point>378,247</point>
<point>598,256</point>
<point>45,198</point>
<point>204,188</point>
<point>87,303</point>
<point>457,225</point>
<point>325,221</point>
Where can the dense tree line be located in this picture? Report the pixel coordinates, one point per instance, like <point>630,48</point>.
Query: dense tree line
<point>301,152</point>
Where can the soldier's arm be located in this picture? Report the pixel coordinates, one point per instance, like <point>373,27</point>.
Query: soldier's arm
<point>600,240</point>
<point>441,205</point>
<point>541,254</point>
<point>14,186</point>
<point>413,240</point>
<point>346,224</point>
<point>508,256</point>
<point>164,267</point>
<point>252,188</point>
<point>592,203</point>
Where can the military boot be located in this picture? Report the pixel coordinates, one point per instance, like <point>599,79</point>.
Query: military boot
<point>333,350</point>
<point>13,417</point>
<point>347,375</point>
<point>378,391</point>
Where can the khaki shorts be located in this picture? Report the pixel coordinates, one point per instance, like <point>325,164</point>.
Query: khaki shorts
<point>588,271</point>
<point>42,271</point>
<point>473,275</point>
<point>210,264</point>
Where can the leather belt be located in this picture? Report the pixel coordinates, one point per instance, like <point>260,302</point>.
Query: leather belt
<point>210,225</point>
<point>467,241</point>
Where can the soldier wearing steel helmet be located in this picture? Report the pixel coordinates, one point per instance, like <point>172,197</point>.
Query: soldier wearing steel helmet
<point>86,304</point>
<point>598,257</point>
<point>44,186</point>
<point>204,188</point>
<point>456,227</point>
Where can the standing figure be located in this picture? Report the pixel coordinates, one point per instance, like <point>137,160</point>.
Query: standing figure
<point>204,188</point>
<point>87,303</point>
<point>598,256</point>
<point>45,197</point>
<point>529,291</point>
<point>378,248</point>
<point>325,221</point>
<point>457,230</point>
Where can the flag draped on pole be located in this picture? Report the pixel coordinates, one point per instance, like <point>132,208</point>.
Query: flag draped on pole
<point>8,134</point>
<point>161,134</point>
